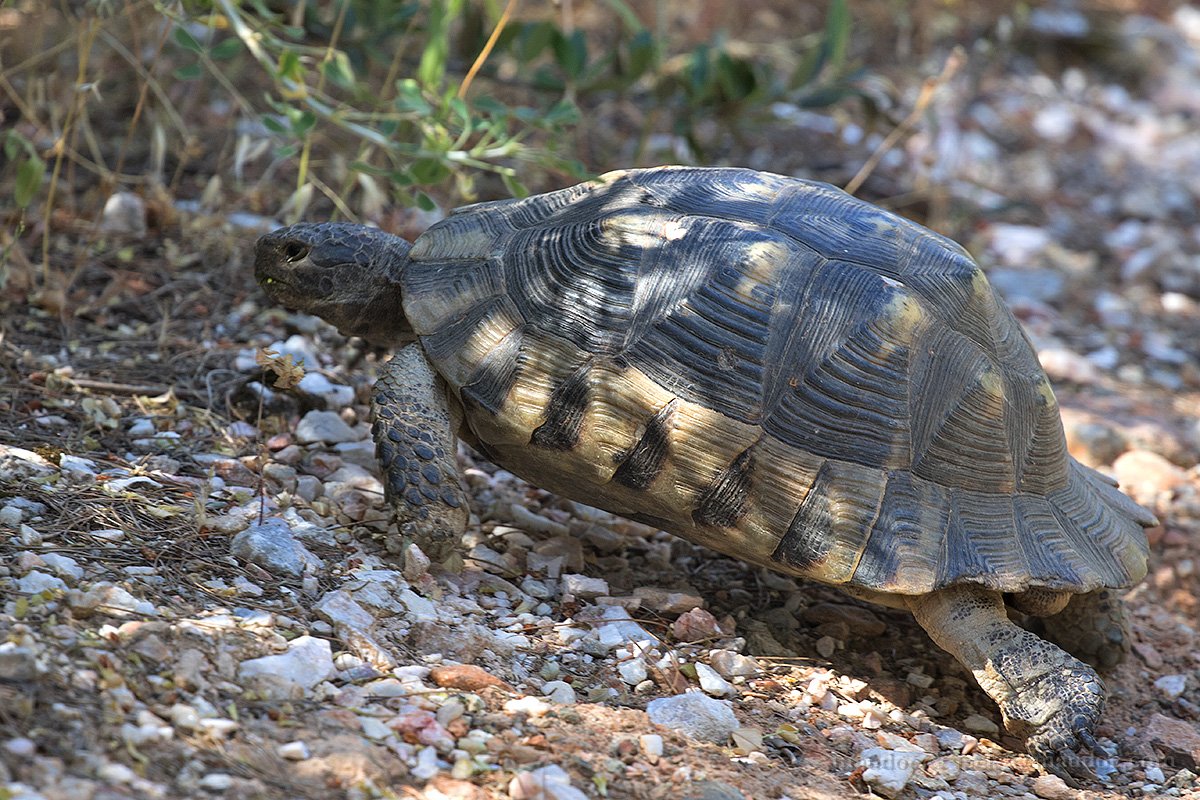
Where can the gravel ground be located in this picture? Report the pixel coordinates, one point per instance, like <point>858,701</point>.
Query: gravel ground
<point>194,601</point>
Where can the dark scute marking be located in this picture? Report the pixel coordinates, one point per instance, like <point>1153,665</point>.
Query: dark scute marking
<point>853,405</point>
<point>414,498</point>
<point>424,451</point>
<point>913,513</point>
<point>645,460</point>
<point>708,344</point>
<point>450,498</point>
<point>493,379</point>
<point>660,523</point>
<point>576,282</point>
<point>807,542</point>
<point>564,415</point>
<point>978,544</point>
<point>727,499</point>
<point>429,492</point>
<point>431,474</point>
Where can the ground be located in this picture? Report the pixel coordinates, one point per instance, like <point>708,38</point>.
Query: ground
<point>195,601</point>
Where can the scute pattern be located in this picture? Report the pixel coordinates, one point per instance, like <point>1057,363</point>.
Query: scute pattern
<point>771,367</point>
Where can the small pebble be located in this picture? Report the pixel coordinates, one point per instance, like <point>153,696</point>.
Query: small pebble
<point>1171,686</point>
<point>652,745</point>
<point>559,692</point>
<point>1052,787</point>
<point>694,714</point>
<point>977,723</point>
<point>712,683</point>
<point>20,747</point>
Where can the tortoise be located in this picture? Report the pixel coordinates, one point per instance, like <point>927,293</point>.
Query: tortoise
<point>763,365</point>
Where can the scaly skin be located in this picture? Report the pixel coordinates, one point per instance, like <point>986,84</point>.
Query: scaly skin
<point>414,430</point>
<point>1093,627</point>
<point>1044,694</point>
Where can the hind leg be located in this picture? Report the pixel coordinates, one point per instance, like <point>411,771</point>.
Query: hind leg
<point>1093,627</point>
<point>1044,693</point>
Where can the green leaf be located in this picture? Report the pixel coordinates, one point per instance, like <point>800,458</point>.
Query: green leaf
<point>425,202</point>
<point>514,186</point>
<point>571,54</point>
<point>641,54</point>
<point>837,33</point>
<point>290,67</point>
<point>429,171</point>
<point>185,40</point>
<point>302,122</point>
<point>432,67</point>
<point>29,179</point>
<point>339,70</point>
<point>491,107</point>
<point>226,49</point>
<point>533,38</point>
<point>188,72</point>
<point>409,98</point>
<point>368,169</point>
<point>700,72</point>
<point>735,77</point>
<point>564,112</point>
<point>831,52</point>
<point>272,123</point>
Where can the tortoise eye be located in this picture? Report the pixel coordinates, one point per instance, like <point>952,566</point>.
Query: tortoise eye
<point>294,251</point>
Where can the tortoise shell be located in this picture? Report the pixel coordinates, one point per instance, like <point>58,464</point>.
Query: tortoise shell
<point>770,367</point>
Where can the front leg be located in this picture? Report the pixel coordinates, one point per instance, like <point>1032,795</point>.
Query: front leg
<point>1044,693</point>
<point>415,440</point>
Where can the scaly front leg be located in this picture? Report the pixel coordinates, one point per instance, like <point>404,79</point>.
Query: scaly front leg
<point>415,440</point>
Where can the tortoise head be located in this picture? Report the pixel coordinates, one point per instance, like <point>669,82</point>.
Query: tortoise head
<point>346,274</point>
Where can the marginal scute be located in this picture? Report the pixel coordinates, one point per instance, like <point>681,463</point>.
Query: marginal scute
<point>773,368</point>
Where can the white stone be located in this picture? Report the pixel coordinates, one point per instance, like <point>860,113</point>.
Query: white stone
<point>64,566</point>
<point>419,608</point>
<point>632,671</point>
<point>545,783</point>
<point>35,581</point>
<point>1154,774</point>
<point>142,427</point>
<point>293,751</point>
<point>124,214</point>
<point>108,534</point>
<point>217,781</point>
<point>20,747</point>
<point>651,744</point>
<point>307,662</point>
<point>10,516</point>
<point>324,426</point>
<point>374,728</point>
<point>731,664</point>
<point>559,692</point>
<point>334,395</point>
<point>887,772</point>
<point>1171,686</point>
<point>185,717</point>
<point>532,706</point>
<point>584,586</point>
<point>273,547</point>
<point>694,714</point>
<point>77,467</point>
<point>712,683</point>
